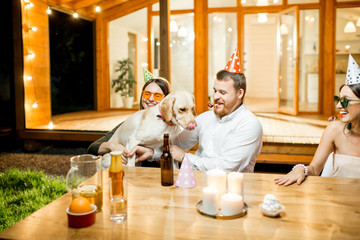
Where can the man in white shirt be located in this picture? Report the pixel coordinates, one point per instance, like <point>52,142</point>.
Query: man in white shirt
<point>229,137</point>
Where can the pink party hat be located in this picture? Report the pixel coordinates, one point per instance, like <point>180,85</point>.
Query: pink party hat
<point>185,178</point>
<point>234,63</point>
<point>353,72</point>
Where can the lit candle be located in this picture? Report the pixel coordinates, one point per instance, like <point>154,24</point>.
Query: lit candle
<point>231,204</point>
<point>210,200</point>
<point>235,182</point>
<point>216,178</point>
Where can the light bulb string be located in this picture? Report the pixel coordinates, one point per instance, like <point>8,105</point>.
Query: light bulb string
<point>30,65</point>
<point>30,60</point>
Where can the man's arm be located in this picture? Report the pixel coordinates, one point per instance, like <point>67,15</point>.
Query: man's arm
<point>239,154</point>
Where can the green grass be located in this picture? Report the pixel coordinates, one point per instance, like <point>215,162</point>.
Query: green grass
<point>24,192</point>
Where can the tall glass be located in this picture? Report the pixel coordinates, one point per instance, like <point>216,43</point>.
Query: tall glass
<point>84,178</point>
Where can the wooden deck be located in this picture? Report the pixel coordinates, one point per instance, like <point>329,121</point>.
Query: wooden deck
<point>286,139</point>
<point>278,128</point>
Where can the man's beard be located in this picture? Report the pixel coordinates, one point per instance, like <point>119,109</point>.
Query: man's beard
<point>226,108</point>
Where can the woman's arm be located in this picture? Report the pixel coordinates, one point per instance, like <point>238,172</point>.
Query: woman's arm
<point>102,145</point>
<point>297,174</point>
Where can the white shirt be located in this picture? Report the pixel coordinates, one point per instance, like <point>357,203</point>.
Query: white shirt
<point>231,143</point>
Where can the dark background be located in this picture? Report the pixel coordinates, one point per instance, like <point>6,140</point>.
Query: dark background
<point>7,105</point>
<point>71,63</point>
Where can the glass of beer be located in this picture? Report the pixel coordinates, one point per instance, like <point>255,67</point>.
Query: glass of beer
<point>118,201</point>
<point>84,178</point>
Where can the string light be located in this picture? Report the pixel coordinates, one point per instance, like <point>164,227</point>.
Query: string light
<point>35,105</point>
<point>51,125</point>
<point>48,11</point>
<point>28,4</point>
<point>75,15</point>
<point>31,55</point>
<point>97,8</point>
<point>27,28</point>
<point>29,78</point>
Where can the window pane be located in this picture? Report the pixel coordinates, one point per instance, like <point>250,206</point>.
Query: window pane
<point>182,52</point>
<point>260,2</point>
<point>222,43</point>
<point>302,1</point>
<point>176,5</point>
<point>261,62</point>
<point>347,41</point>
<point>71,61</point>
<point>221,3</point>
<point>309,60</point>
<point>155,45</point>
<point>122,47</point>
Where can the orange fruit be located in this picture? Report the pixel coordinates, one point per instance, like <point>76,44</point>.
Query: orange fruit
<point>80,205</point>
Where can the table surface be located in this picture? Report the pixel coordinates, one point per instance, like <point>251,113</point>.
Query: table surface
<point>320,208</point>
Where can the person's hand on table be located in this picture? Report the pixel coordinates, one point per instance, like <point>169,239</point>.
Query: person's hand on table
<point>296,175</point>
<point>177,153</point>
<point>142,153</point>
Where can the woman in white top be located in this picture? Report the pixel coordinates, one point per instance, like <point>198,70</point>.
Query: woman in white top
<point>342,137</point>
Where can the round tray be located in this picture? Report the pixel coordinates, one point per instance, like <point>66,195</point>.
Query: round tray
<point>219,215</point>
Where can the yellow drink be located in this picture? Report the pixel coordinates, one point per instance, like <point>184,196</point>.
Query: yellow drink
<point>92,192</point>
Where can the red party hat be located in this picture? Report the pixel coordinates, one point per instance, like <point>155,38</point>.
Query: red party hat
<point>234,63</point>
<point>185,177</point>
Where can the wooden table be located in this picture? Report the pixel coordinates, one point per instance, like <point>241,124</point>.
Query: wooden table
<point>320,208</point>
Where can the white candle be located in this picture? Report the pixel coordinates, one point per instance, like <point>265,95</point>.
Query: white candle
<point>210,200</point>
<point>231,204</point>
<point>235,182</point>
<point>216,178</point>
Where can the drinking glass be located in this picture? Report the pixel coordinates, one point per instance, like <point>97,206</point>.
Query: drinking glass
<point>118,199</point>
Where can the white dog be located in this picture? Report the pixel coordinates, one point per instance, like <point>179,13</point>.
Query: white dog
<point>147,127</point>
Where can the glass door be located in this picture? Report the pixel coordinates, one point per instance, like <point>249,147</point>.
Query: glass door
<point>288,61</point>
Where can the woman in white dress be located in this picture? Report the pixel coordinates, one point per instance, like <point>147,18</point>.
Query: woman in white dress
<point>341,137</point>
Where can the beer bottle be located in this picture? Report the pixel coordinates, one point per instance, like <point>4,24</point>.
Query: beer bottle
<point>166,164</point>
<point>116,171</point>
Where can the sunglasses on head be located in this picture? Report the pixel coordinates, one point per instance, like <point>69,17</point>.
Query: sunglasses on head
<point>343,101</point>
<point>157,96</point>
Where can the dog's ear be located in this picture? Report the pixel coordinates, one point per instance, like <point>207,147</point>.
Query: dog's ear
<point>167,107</point>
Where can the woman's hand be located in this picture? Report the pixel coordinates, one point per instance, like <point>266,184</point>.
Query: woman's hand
<point>296,175</point>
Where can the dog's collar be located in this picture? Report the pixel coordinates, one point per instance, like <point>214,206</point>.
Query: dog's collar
<point>162,118</point>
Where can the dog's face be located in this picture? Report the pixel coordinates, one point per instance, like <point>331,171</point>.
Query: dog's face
<point>181,107</point>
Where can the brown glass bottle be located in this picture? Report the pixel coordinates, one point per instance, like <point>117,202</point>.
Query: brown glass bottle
<point>166,164</point>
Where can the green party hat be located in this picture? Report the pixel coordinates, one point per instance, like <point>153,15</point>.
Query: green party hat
<point>148,75</point>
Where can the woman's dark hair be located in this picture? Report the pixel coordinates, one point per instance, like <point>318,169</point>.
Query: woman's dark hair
<point>355,88</point>
<point>161,82</point>
<point>238,78</point>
